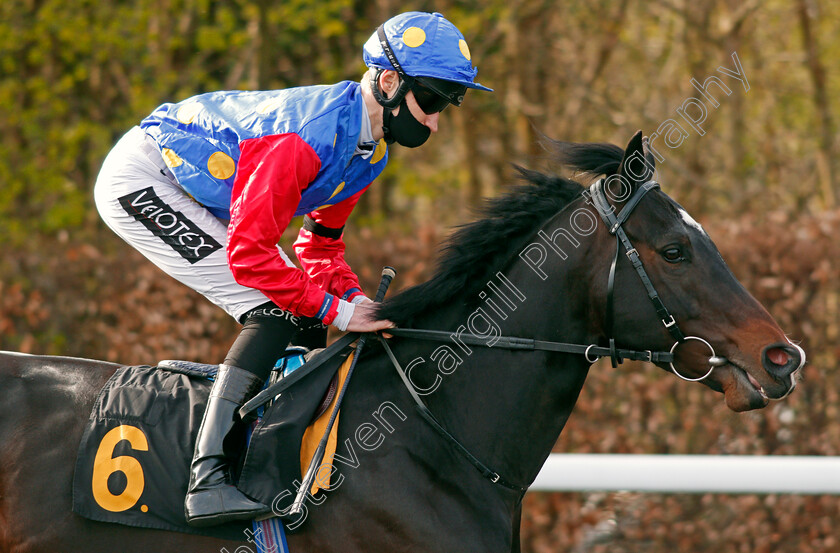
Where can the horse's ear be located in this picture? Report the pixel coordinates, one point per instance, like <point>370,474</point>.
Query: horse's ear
<point>649,157</point>
<point>637,165</point>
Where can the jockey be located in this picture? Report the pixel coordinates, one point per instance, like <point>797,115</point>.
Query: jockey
<point>205,188</point>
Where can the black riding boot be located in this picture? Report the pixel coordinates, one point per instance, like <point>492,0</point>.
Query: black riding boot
<point>211,498</point>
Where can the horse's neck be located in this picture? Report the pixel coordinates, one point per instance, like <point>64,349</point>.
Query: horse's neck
<point>508,407</point>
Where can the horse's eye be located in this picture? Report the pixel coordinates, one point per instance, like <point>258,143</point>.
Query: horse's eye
<point>672,254</point>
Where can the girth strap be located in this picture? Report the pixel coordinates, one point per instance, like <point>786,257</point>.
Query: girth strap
<point>427,415</point>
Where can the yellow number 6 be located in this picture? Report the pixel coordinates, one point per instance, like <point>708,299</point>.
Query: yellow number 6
<point>104,465</point>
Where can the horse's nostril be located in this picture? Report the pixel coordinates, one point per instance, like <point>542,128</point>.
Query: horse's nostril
<point>781,360</point>
<point>778,356</point>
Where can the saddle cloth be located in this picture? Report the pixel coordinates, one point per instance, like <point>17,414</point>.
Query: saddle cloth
<point>132,465</point>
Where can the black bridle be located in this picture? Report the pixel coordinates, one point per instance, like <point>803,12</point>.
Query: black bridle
<point>615,227</point>
<point>591,352</point>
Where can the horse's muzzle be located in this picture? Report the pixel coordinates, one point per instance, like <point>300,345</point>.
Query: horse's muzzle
<point>782,360</point>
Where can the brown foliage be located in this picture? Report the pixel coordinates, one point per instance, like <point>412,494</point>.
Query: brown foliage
<point>789,264</point>
<point>104,301</point>
<point>66,298</point>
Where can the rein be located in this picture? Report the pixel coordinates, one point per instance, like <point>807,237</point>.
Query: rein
<point>427,415</point>
<point>591,352</point>
<point>527,344</point>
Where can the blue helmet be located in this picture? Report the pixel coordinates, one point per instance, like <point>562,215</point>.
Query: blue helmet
<point>424,45</point>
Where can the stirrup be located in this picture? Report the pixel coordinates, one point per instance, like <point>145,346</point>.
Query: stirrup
<point>293,358</point>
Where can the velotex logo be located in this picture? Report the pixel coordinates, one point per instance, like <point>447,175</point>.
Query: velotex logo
<point>171,226</point>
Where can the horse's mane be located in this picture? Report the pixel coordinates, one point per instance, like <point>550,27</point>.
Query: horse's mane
<point>477,250</point>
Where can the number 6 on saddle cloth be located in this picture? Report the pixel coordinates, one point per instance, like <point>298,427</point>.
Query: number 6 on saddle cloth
<point>132,465</point>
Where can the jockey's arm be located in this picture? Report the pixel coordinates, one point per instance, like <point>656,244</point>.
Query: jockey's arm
<point>273,171</point>
<point>320,250</point>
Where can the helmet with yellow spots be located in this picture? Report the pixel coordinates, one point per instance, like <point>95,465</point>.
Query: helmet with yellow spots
<point>425,49</point>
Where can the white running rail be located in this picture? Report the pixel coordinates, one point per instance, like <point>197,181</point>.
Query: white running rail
<point>690,474</point>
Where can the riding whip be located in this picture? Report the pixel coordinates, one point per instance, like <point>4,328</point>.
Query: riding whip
<point>296,508</point>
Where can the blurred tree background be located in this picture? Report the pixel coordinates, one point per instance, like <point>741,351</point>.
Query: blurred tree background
<point>762,178</point>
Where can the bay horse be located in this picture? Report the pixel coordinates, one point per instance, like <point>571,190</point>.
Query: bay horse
<point>542,265</point>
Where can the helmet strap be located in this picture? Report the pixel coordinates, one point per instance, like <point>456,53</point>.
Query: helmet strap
<point>396,98</point>
<point>406,81</point>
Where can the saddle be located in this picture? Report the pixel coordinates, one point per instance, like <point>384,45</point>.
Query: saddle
<point>132,465</point>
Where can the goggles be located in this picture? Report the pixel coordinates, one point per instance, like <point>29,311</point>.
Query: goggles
<point>433,95</point>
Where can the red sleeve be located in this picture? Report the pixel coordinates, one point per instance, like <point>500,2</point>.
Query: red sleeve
<point>322,257</point>
<point>272,173</point>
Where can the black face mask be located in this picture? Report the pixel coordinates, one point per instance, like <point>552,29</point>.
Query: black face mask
<point>404,129</point>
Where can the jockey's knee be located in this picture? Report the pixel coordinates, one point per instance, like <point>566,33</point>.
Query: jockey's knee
<point>266,331</point>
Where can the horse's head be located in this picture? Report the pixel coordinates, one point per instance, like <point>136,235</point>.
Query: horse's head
<point>731,338</point>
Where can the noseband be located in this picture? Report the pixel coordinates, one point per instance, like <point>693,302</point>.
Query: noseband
<point>615,227</point>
